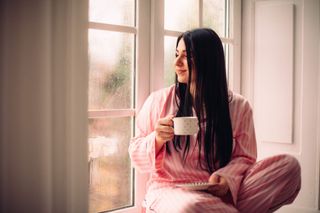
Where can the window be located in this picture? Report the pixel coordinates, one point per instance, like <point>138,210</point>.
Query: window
<point>112,53</point>
<point>223,16</point>
<point>131,50</point>
<point>182,15</point>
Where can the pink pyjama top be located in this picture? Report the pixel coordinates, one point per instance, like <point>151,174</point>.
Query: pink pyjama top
<point>167,170</point>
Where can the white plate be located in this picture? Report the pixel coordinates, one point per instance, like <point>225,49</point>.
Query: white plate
<point>196,185</point>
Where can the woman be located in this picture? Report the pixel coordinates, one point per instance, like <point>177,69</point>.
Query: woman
<point>224,150</point>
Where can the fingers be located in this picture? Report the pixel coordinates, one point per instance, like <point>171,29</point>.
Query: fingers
<point>165,125</point>
<point>223,181</point>
<point>220,188</point>
<point>164,129</point>
<point>167,121</point>
<point>214,178</point>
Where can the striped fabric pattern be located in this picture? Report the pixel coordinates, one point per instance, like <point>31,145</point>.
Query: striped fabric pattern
<point>252,185</point>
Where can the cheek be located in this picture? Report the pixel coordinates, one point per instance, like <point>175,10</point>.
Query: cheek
<point>183,77</point>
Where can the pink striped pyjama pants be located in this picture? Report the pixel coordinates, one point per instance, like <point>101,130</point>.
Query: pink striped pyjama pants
<point>267,185</point>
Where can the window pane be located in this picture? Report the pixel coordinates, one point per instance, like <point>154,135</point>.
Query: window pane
<point>169,55</point>
<point>228,52</point>
<point>112,12</point>
<point>109,164</point>
<point>214,15</point>
<point>181,15</point>
<point>111,57</point>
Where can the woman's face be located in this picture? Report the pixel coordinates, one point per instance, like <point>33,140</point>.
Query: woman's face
<point>181,63</point>
<point>181,66</point>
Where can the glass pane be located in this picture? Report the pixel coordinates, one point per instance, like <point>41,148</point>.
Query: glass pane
<point>181,15</point>
<point>169,55</point>
<point>112,12</point>
<point>231,75</point>
<point>111,179</point>
<point>111,58</point>
<point>214,15</point>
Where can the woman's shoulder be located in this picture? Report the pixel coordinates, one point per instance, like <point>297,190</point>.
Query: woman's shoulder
<point>158,97</point>
<point>157,100</point>
<point>164,92</point>
<point>238,101</point>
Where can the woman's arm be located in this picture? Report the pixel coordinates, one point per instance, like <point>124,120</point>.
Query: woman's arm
<point>244,154</point>
<point>147,148</point>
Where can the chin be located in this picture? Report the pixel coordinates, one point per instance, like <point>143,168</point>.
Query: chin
<point>182,80</point>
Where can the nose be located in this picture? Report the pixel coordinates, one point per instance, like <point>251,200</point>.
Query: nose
<point>178,61</point>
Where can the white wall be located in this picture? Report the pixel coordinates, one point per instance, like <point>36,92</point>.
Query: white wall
<point>43,106</point>
<point>282,83</point>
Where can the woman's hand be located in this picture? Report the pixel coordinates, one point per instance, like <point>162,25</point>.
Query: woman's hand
<point>164,131</point>
<point>220,188</point>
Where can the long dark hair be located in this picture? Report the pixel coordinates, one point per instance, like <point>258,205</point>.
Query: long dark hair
<point>206,61</point>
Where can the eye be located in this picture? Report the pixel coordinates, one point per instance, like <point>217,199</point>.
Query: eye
<point>183,56</point>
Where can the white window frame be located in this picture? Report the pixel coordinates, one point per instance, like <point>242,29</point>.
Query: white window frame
<point>142,90</point>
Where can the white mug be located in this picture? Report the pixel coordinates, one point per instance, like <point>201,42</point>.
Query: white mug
<point>185,125</point>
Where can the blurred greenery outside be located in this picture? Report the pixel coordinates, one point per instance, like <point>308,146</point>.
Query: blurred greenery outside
<point>110,88</point>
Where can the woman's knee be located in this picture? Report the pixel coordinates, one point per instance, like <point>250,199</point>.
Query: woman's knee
<point>291,164</point>
<point>292,169</point>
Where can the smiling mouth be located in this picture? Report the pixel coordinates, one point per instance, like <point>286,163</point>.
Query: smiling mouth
<point>181,71</point>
